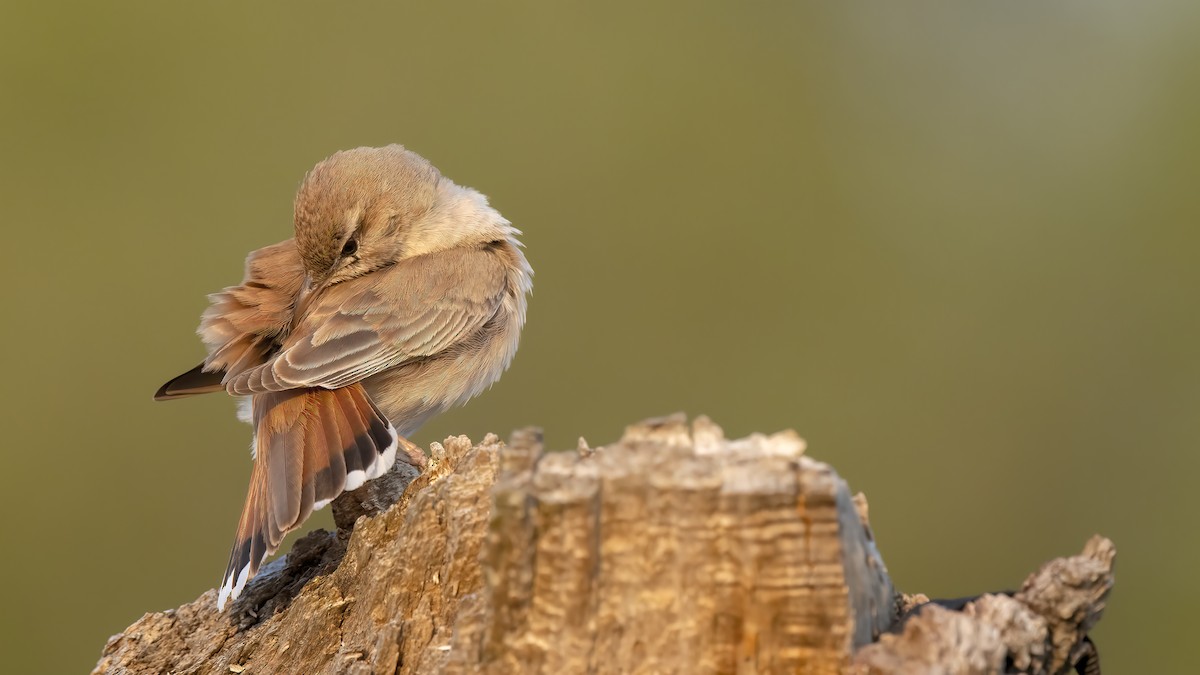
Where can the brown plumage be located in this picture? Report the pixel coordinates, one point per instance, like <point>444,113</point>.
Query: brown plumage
<point>401,295</point>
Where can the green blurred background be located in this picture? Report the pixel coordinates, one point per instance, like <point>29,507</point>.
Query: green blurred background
<point>952,244</point>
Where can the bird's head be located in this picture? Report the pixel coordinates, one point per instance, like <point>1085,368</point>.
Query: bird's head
<point>364,209</point>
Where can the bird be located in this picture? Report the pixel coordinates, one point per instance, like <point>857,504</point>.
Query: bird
<point>400,295</point>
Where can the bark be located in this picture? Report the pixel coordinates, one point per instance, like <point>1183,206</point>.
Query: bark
<point>673,550</point>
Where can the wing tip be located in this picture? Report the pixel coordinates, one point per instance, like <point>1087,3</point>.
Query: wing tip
<point>161,394</point>
<point>193,382</point>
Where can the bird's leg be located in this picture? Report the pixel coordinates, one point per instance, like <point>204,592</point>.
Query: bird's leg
<point>416,456</point>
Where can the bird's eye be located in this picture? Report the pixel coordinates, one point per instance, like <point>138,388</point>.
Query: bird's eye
<point>350,248</point>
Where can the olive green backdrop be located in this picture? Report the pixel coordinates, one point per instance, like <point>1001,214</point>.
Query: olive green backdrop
<point>954,245</point>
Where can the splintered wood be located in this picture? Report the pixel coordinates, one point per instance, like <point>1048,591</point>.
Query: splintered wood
<point>1040,629</point>
<point>673,550</point>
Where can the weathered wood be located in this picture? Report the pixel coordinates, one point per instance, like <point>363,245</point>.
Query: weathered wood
<point>1040,629</point>
<point>673,550</point>
<point>395,588</point>
<point>676,550</point>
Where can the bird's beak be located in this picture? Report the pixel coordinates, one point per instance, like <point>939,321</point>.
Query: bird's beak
<point>309,290</point>
<point>304,297</point>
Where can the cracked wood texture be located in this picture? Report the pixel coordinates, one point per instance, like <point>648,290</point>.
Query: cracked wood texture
<point>1040,629</point>
<point>673,550</point>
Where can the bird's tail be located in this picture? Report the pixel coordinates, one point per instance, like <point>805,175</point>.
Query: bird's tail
<point>309,446</point>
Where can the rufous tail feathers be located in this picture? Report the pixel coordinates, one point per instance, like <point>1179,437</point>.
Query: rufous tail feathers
<point>310,446</point>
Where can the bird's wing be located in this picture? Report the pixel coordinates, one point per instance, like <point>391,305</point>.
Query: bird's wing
<point>243,323</point>
<point>355,329</point>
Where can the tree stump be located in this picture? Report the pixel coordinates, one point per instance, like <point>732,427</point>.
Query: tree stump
<point>673,550</point>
